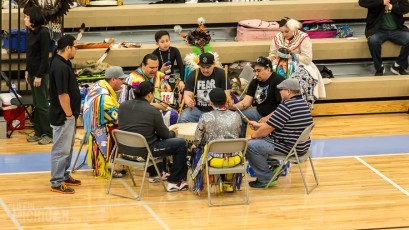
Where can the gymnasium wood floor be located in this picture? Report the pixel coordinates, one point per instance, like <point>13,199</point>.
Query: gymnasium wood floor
<point>355,192</point>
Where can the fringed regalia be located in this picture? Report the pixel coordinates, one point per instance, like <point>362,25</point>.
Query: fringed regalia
<point>134,80</point>
<point>215,125</point>
<point>100,118</point>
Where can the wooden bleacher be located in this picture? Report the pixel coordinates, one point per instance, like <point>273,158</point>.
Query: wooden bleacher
<point>323,49</point>
<point>229,12</point>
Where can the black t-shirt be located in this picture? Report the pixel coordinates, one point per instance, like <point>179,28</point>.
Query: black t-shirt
<point>38,50</point>
<point>266,96</point>
<point>172,55</point>
<point>203,85</point>
<point>62,80</point>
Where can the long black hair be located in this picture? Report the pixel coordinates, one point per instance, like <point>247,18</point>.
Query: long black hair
<point>144,89</point>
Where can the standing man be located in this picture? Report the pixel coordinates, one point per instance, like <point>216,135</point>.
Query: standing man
<point>262,93</point>
<point>65,105</point>
<point>279,133</point>
<point>385,22</point>
<point>101,117</point>
<point>198,84</point>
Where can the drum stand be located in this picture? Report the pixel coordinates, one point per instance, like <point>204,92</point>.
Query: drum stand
<point>73,169</point>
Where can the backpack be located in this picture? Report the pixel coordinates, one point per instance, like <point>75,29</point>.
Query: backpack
<point>319,28</point>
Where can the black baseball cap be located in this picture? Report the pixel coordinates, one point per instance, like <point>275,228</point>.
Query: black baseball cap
<point>206,59</point>
<point>263,61</point>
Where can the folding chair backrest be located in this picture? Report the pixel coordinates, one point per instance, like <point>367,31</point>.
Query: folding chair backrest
<point>130,139</point>
<point>227,145</point>
<point>305,135</point>
<point>247,73</point>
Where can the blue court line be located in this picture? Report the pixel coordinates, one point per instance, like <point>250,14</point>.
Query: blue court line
<point>337,147</point>
<point>360,146</point>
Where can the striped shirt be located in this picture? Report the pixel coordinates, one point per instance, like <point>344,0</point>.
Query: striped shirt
<point>289,120</point>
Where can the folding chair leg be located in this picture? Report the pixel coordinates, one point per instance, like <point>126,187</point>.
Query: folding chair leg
<point>73,169</point>
<point>304,180</point>
<point>110,179</point>
<point>130,173</point>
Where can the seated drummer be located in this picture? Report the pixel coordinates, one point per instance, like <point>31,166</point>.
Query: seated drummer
<point>220,123</point>
<point>139,116</point>
<point>262,94</point>
<point>148,71</point>
<point>198,85</point>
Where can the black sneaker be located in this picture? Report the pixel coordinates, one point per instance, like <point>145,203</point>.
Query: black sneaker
<point>259,184</point>
<point>63,189</point>
<point>380,71</point>
<point>398,70</point>
<point>73,182</point>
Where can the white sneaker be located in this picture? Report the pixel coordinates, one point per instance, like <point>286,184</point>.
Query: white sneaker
<point>177,187</point>
<point>155,179</point>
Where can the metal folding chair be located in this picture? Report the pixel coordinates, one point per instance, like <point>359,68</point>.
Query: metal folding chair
<point>24,101</point>
<point>227,146</point>
<point>293,157</point>
<point>134,140</point>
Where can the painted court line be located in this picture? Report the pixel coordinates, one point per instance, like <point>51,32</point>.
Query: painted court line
<point>12,217</point>
<point>383,176</point>
<point>157,218</point>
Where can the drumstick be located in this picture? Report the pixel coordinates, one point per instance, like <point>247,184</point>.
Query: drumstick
<point>244,116</point>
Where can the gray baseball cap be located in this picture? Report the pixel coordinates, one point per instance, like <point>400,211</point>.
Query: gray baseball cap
<point>291,84</point>
<point>115,72</point>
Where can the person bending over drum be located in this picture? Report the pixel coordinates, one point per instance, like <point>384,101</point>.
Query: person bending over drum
<point>220,123</point>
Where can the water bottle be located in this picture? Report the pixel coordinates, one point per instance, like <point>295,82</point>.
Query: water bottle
<point>251,171</point>
<point>286,170</point>
<point>13,88</point>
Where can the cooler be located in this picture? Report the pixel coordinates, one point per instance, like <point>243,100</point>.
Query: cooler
<point>9,112</point>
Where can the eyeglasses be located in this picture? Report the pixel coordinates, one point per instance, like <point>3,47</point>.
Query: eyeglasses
<point>257,70</point>
<point>76,47</point>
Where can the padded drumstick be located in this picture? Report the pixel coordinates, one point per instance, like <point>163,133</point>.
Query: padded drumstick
<point>244,116</point>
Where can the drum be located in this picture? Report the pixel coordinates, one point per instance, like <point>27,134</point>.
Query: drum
<point>186,131</point>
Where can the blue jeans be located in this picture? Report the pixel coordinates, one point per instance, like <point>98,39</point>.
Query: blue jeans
<point>257,154</point>
<point>190,115</point>
<point>61,152</point>
<point>252,115</point>
<point>399,37</point>
<point>176,147</point>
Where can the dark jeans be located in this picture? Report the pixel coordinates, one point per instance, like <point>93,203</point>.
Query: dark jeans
<point>399,37</point>
<point>42,107</point>
<point>176,147</point>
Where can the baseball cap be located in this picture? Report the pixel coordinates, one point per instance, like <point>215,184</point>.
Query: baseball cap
<point>291,84</point>
<point>115,72</point>
<point>263,61</point>
<point>206,59</point>
<point>217,96</point>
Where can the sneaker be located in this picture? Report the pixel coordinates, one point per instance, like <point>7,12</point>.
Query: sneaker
<point>398,70</point>
<point>73,182</point>
<point>155,179</point>
<point>380,72</point>
<point>33,138</point>
<point>117,174</point>
<point>177,187</point>
<point>259,184</point>
<point>45,140</point>
<point>63,189</point>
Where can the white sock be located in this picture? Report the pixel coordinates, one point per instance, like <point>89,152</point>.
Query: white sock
<point>396,64</point>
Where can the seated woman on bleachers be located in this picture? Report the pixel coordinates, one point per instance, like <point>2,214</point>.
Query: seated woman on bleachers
<point>300,46</point>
